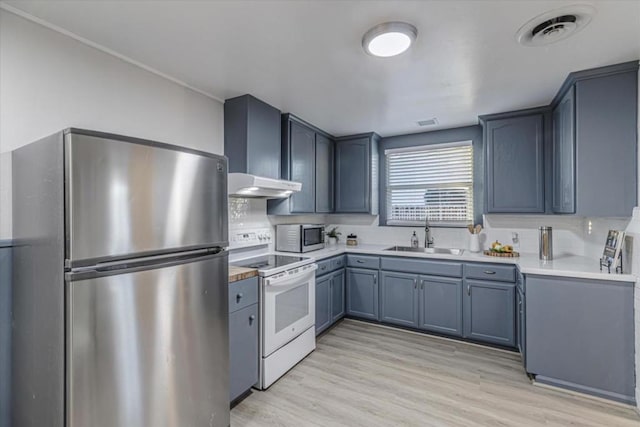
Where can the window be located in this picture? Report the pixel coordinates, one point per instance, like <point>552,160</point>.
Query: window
<point>433,181</point>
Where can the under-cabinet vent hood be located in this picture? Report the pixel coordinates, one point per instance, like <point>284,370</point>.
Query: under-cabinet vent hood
<point>258,187</point>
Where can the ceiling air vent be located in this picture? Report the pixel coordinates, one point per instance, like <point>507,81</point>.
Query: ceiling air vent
<point>555,25</point>
<point>428,122</point>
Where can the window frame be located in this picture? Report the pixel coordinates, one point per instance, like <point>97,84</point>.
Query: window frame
<point>476,207</point>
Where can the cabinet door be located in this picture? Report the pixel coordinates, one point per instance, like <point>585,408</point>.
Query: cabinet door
<point>337,296</point>
<point>441,305</point>
<point>520,322</point>
<point>515,169</point>
<point>353,177</point>
<point>302,167</point>
<point>243,350</point>
<point>580,333</point>
<point>362,293</point>
<point>489,312</point>
<point>324,174</point>
<point>606,145</point>
<point>263,139</point>
<point>323,303</point>
<point>398,303</point>
<point>563,155</point>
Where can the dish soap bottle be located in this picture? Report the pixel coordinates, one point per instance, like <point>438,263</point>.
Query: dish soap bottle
<point>414,240</point>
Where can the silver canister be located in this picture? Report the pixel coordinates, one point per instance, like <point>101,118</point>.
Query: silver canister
<point>546,243</point>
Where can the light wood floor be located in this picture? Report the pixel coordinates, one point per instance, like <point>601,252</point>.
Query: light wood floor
<point>365,375</point>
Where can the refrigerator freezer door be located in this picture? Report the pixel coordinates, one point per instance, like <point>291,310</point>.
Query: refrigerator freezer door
<point>139,197</point>
<point>150,348</point>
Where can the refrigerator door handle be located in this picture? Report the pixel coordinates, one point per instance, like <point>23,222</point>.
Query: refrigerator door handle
<point>131,266</point>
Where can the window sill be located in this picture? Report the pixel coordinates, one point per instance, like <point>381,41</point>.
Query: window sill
<point>422,224</point>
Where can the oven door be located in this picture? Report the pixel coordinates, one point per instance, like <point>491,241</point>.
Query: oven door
<point>288,308</point>
<point>312,238</point>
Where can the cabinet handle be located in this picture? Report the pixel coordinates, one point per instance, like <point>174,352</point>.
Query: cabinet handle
<point>239,297</point>
<point>489,272</point>
<point>252,318</point>
<point>415,283</point>
<point>359,261</point>
<point>468,290</point>
<point>375,280</point>
<point>422,284</point>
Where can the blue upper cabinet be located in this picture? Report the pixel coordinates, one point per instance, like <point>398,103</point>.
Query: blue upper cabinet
<point>514,145</point>
<point>302,158</point>
<point>308,158</point>
<point>606,144</point>
<point>324,174</point>
<point>252,136</point>
<point>594,142</point>
<point>356,174</point>
<point>563,155</point>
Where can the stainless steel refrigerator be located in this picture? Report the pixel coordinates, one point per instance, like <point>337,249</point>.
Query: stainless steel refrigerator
<point>120,302</point>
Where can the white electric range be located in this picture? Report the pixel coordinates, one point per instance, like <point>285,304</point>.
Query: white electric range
<point>287,302</point>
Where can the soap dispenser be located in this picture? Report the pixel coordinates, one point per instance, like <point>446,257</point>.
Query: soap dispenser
<point>414,240</point>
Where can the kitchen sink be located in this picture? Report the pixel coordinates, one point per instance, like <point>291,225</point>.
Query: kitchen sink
<point>447,251</point>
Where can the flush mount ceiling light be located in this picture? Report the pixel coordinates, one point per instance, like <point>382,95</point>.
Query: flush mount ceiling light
<point>555,25</point>
<point>389,39</point>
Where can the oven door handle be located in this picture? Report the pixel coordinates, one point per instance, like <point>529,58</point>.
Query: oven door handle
<point>294,279</point>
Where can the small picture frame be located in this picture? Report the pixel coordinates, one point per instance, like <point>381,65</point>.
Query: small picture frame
<point>612,249</point>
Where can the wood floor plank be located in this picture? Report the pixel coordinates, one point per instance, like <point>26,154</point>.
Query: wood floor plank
<point>364,375</point>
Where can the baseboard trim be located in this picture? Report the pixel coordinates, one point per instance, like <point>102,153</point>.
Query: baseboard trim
<point>430,335</point>
<point>581,390</point>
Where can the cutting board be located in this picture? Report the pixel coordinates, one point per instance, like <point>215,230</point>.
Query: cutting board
<point>502,254</point>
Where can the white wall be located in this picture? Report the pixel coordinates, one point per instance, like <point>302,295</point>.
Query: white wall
<point>49,81</point>
<point>571,235</point>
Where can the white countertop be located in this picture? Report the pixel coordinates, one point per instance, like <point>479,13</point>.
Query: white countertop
<point>563,265</point>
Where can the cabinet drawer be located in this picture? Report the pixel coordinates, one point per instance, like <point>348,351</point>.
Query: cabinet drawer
<point>324,267</point>
<point>428,267</point>
<point>502,273</point>
<point>243,350</point>
<point>338,262</point>
<point>363,261</point>
<point>243,293</point>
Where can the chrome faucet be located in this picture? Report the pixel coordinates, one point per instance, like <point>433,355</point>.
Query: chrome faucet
<point>428,240</point>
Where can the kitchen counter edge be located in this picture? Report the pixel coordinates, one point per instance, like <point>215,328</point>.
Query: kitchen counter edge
<point>563,266</point>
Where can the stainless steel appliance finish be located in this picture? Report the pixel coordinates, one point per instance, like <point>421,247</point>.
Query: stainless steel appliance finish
<point>546,243</point>
<point>124,199</point>
<point>428,239</point>
<point>136,338</point>
<point>447,251</point>
<point>143,346</point>
<point>299,238</point>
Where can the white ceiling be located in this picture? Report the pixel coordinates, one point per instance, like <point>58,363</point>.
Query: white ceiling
<point>305,57</point>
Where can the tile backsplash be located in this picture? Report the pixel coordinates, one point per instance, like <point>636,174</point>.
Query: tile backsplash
<point>571,234</point>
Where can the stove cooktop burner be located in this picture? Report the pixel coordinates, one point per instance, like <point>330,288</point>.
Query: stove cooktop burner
<point>269,261</point>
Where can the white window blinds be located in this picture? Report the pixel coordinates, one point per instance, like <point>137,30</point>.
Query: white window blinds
<point>434,182</point>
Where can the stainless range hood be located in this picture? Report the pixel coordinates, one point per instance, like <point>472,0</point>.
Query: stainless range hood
<point>258,187</point>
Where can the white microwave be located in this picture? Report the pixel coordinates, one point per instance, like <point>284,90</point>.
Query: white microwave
<point>299,237</point>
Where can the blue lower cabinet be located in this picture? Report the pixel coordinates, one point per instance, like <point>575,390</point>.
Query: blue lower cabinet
<point>243,350</point>
<point>323,303</point>
<point>441,305</point>
<point>520,325</point>
<point>244,324</point>
<point>399,303</point>
<point>337,296</point>
<point>362,293</point>
<point>580,335</point>
<point>489,312</point>
<point>330,293</point>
